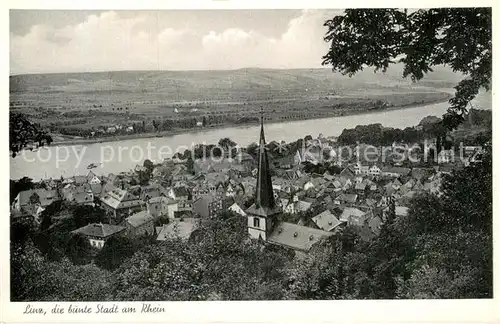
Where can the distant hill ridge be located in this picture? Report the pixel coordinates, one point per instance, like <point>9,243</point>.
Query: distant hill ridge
<point>222,80</point>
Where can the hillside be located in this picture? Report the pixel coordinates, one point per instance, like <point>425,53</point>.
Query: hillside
<point>224,80</point>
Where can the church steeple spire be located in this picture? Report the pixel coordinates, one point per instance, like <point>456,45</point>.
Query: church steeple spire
<point>264,191</point>
<point>265,204</point>
<point>262,214</point>
<point>262,137</point>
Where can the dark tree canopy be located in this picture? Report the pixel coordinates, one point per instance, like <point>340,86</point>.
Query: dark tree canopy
<point>16,186</point>
<point>114,252</point>
<point>22,133</point>
<point>455,37</point>
<point>226,143</point>
<point>148,165</point>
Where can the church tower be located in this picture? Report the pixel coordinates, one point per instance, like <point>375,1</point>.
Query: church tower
<point>263,213</point>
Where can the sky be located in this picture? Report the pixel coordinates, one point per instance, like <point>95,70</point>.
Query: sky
<point>53,41</point>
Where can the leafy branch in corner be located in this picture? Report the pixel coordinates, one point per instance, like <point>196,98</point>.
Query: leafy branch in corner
<point>455,37</point>
<point>23,133</point>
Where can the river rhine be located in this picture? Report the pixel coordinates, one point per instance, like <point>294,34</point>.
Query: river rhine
<point>121,156</point>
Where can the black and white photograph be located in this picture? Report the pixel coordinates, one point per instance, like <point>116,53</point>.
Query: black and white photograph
<point>249,155</point>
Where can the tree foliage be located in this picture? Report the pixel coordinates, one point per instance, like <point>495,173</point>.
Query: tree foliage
<point>22,133</point>
<point>218,263</point>
<point>114,252</point>
<point>148,165</point>
<point>226,143</point>
<point>456,37</point>
<point>16,186</point>
<point>33,278</point>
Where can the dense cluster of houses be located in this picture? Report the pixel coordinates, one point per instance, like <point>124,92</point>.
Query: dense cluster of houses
<point>174,199</point>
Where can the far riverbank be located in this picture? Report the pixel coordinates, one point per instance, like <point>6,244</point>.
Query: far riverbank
<point>84,141</point>
<point>115,157</point>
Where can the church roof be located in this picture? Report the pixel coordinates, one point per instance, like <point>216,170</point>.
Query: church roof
<point>297,237</point>
<point>265,204</point>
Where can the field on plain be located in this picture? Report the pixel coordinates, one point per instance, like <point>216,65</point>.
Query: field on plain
<point>92,100</point>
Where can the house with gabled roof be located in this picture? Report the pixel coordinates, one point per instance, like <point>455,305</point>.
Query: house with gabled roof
<point>35,197</point>
<point>139,224</point>
<point>236,208</point>
<point>220,190</point>
<point>201,188</point>
<point>120,203</point>
<point>92,178</point>
<point>178,228</point>
<point>294,206</point>
<point>79,195</point>
<point>360,187</point>
<point>348,199</point>
<point>182,196</point>
<point>292,174</point>
<point>327,176</point>
<point>161,206</point>
<point>337,184</point>
<point>179,193</point>
<point>232,189</point>
<point>208,205</point>
<point>326,221</point>
<point>99,233</point>
<point>150,191</point>
<point>353,216</point>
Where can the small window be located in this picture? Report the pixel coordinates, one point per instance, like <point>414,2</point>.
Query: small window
<point>256,222</point>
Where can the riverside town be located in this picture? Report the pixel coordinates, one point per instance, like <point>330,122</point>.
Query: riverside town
<point>258,161</point>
